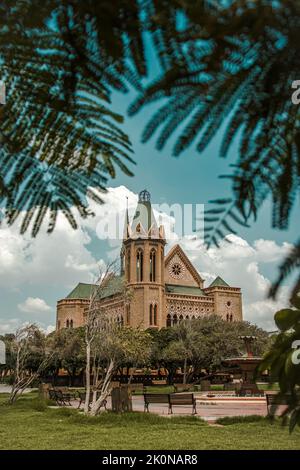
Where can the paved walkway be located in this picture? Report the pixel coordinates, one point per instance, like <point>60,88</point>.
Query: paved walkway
<point>7,389</point>
<point>209,411</point>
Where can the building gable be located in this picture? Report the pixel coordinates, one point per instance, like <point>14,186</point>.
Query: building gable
<point>179,270</point>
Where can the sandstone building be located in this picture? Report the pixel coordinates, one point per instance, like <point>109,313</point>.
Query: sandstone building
<point>165,289</point>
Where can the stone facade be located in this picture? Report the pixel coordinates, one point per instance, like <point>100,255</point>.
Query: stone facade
<point>164,289</point>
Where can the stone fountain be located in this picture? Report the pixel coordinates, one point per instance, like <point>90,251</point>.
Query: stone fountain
<point>247,364</point>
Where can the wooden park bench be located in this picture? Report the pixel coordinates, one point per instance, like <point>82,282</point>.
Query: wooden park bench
<point>150,398</point>
<point>172,399</point>
<point>61,398</point>
<point>182,399</point>
<point>81,397</point>
<point>274,400</point>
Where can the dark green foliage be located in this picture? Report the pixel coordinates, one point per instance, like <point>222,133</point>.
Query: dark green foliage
<point>228,420</point>
<point>282,360</point>
<point>204,343</point>
<point>232,63</point>
<point>59,136</point>
<point>68,351</point>
<point>221,62</point>
<point>291,262</point>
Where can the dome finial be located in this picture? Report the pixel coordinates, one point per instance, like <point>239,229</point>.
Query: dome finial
<point>144,196</point>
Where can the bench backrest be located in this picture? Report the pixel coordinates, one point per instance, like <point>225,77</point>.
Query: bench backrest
<point>181,398</point>
<point>274,399</point>
<point>52,394</point>
<point>156,398</point>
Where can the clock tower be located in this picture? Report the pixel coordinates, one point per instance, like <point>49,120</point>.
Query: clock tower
<point>143,266</point>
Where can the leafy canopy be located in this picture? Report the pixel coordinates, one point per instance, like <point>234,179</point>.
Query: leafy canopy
<point>283,360</point>
<point>221,62</point>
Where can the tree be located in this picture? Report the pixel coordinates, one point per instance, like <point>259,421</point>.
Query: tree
<point>60,139</point>
<point>187,340</point>
<point>203,344</point>
<point>109,345</point>
<point>138,351</point>
<point>219,61</point>
<point>283,360</point>
<point>96,323</point>
<point>232,63</point>
<point>30,358</point>
<point>162,356</point>
<point>68,350</point>
<point>117,345</point>
<point>219,340</point>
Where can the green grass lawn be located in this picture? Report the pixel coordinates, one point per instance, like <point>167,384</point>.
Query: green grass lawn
<point>214,388</point>
<point>30,424</point>
<point>269,387</point>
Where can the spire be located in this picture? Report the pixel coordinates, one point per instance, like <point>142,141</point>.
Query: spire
<point>126,222</point>
<point>144,223</point>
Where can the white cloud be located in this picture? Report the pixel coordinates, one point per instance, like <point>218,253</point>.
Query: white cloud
<point>64,257</point>
<point>34,305</point>
<point>8,325</point>
<point>49,329</point>
<point>241,264</point>
<point>268,251</point>
<point>69,256</point>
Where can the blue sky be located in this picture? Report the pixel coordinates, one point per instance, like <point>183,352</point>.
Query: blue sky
<point>34,274</point>
<point>190,178</point>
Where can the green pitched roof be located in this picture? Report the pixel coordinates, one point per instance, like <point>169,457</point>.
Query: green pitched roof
<point>83,291</point>
<point>219,282</point>
<point>186,290</point>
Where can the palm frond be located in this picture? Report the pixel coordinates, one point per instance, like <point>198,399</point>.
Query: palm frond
<point>60,62</point>
<point>232,63</point>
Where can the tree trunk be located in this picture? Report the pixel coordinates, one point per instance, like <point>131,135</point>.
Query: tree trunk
<point>131,375</point>
<point>19,387</point>
<point>184,370</point>
<point>95,408</point>
<point>87,378</point>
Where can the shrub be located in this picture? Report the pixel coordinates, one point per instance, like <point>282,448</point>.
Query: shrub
<point>39,405</point>
<point>228,420</point>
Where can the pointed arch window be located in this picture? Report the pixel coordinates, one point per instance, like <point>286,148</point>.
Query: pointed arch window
<point>175,319</point>
<point>127,263</point>
<point>67,324</point>
<point>71,323</point>
<point>151,314</point>
<point>155,315</point>
<point>169,320</point>
<point>152,265</point>
<point>139,265</point>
